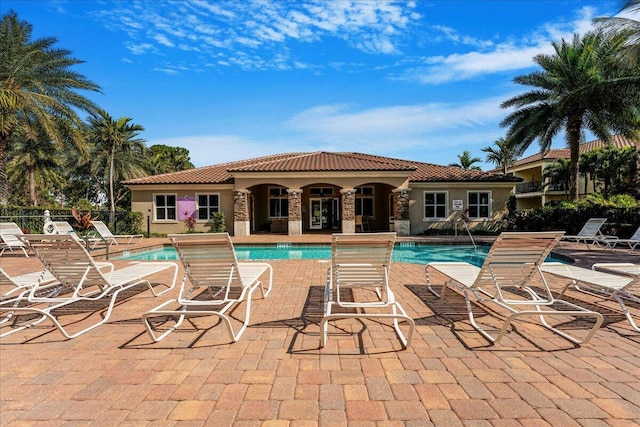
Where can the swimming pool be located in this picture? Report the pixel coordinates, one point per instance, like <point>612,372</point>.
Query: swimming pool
<point>418,254</point>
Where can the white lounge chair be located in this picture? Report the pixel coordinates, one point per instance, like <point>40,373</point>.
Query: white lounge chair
<point>506,277</point>
<point>361,263</point>
<point>218,283</point>
<point>63,227</point>
<point>24,282</point>
<point>632,241</point>
<point>111,238</point>
<point>590,233</point>
<point>11,242</point>
<point>602,282</point>
<point>8,238</point>
<point>79,279</point>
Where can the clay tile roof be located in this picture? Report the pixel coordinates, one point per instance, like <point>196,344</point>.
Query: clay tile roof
<point>428,172</point>
<point>617,141</point>
<point>320,162</point>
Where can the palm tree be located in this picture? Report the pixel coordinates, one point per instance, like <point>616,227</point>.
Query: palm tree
<point>626,24</point>
<point>117,154</point>
<point>37,85</point>
<point>588,165</point>
<point>465,161</point>
<point>503,155</point>
<point>558,174</point>
<point>583,85</point>
<point>34,156</point>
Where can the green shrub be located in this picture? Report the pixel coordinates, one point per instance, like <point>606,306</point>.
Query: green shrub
<point>218,223</point>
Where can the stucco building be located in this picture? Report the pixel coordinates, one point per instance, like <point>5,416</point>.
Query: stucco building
<point>296,193</point>
<point>534,192</point>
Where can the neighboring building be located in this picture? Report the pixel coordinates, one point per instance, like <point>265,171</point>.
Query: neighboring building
<point>297,193</point>
<point>531,193</point>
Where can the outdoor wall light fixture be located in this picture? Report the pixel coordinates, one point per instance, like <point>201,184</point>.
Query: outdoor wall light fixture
<point>294,194</point>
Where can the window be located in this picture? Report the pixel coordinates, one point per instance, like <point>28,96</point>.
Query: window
<point>207,204</point>
<point>435,205</point>
<point>479,206</point>
<point>278,202</point>
<point>165,207</point>
<point>364,201</point>
<point>321,191</point>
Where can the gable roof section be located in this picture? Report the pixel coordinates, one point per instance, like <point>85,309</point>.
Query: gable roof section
<point>617,141</point>
<point>321,161</point>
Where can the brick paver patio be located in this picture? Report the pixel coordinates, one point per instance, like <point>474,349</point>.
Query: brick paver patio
<point>277,376</point>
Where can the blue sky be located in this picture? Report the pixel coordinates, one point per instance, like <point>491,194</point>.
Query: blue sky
<point>230,80</point>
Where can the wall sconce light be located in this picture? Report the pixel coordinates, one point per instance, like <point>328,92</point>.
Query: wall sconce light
<point>294,194</point>
<point>403,193</point>
<point>238,195</point>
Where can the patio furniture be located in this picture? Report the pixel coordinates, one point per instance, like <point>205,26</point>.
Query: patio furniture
<point>80,279</point>
<point>360,263</point>
<point>11,242</point>
<point>507,278</point>
<point>632,241</point>
<point>64,228</point>
<point>102,229</point>
<point>590,233</point>
<point>600,282</point>
<point>8,238</point>
<point>219,283</point>
<point>23,282</point>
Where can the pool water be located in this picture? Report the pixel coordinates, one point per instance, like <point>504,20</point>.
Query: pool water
<point>418,254</point>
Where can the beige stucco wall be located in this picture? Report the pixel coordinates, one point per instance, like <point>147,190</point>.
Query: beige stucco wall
<point>500,193</point>
<point>142,201</point>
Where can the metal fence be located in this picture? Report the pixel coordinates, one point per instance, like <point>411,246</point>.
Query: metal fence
<point>31,220</point>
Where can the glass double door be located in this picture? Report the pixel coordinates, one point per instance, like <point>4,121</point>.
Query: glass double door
<point>324,213</point>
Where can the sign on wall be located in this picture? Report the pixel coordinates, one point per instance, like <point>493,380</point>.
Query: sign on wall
<point>457,205</point>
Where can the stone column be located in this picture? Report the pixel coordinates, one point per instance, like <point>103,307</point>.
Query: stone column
<point>295,211</point>
<point>241,223</point>
<point>348,208</point>
<point>402,223</point>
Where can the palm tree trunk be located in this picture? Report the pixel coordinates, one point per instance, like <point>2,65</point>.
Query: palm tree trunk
<point>573,135</point>
<point>32,186</point>
<point>4,187</point>
<point>112,213</point>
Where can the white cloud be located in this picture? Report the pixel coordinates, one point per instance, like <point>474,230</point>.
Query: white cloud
<point>506,56</point>
<point>264,27</point>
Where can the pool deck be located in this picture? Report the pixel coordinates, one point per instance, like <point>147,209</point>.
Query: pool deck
<point>277,376</point>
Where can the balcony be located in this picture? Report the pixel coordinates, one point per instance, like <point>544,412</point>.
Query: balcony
<point>528,187</point>
<point>537,187</point>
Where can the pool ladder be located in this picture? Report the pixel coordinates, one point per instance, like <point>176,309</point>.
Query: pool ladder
<point>466,226</point>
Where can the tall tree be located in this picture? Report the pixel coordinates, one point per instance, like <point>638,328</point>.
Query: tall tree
<point>503,155</point>
<point>34,156</point>
<point>583,85</point>
<point>118,153</point>
<point>38,86</point>
<point>466,161</point>
<point>625,22</point>
<point>166,159</point>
